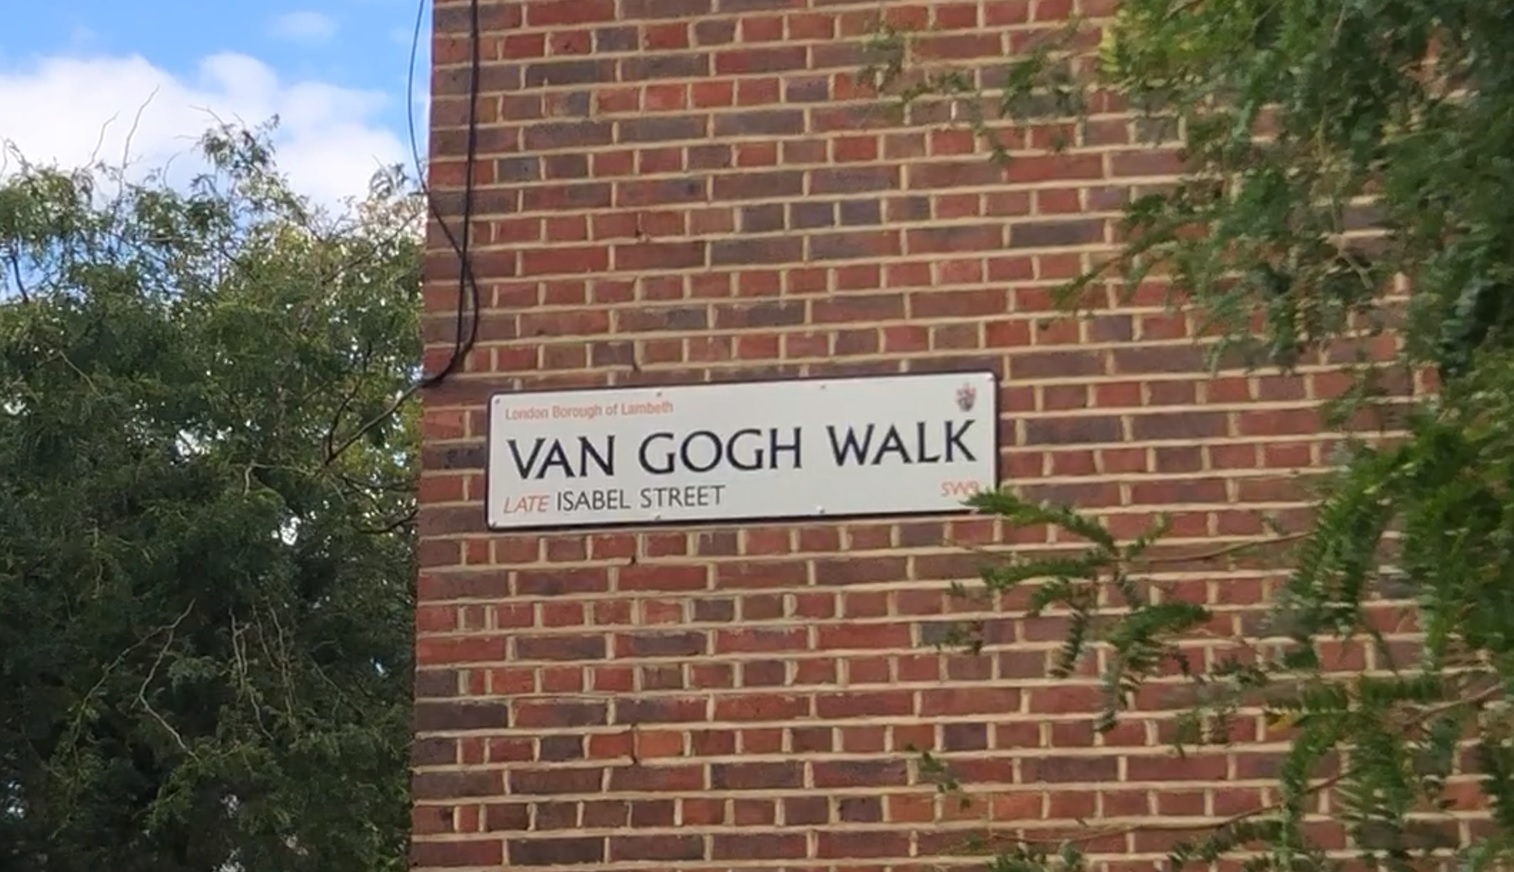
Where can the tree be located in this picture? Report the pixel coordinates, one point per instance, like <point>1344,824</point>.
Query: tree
<point>206,549</point>
<point>1345,173</point>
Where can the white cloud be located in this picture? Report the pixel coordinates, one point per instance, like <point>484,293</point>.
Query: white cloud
<point>72,110</point>
<point>305,26</point>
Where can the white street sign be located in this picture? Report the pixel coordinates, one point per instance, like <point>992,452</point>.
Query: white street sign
<point>822,448</point>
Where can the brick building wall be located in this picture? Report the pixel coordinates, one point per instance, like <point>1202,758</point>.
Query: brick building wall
<point>690,190</point>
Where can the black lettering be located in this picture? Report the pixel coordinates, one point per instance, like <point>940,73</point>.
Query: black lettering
<point>921,455</point>
<point>557,458</point>
<point>852,447</point>
<point>776,448</point>
<point>587,452</point>
<point>954,440</point>
<point>849,446</point>
<point>525,466</point>
<point>704,451</point>
<point>682,497</point>
<point>600,500</point>
<point>641,455</point>
<point>892,443</point>
<point>688,463</point>
<point>756,459</point>
<point>609,500</point>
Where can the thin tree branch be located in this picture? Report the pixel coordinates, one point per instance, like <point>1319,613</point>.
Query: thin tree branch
<point>15,262</point>
<point>378,419</point>
<point>152,673</point>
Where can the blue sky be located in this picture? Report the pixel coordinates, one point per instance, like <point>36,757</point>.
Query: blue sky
<point>334,70</point>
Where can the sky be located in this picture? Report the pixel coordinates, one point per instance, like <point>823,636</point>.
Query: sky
<point>75,74</point>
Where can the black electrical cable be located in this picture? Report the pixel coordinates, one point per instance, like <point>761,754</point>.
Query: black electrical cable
<point>467,283</point>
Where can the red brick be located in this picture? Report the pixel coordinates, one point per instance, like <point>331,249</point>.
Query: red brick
<point>663,847</point>
<point>557,853</point>
<point>444,855</point>
<point>757,846</point>
<point>701,190</point>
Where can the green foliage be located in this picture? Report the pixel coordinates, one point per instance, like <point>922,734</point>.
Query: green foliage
<point>205,607</point>
<point>1347,168</point>
<point>1383,743</point>
<point>1289,119</point>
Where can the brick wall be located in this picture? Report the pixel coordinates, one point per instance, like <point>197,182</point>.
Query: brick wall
<point>686,190</point>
